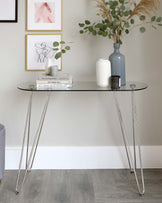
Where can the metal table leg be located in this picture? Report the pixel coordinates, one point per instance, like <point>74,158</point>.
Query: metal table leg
<point>131,161</point>
<point>30,159</point>
<point>123,132</point>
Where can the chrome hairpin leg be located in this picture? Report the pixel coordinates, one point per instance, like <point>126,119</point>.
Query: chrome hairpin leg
<point>133,124</point>
<point>136,140</point>
<point>123,132</point>
<point>27,126</point>
<point>30,160</point>
<point>29,120</point>
<point>131,162</point>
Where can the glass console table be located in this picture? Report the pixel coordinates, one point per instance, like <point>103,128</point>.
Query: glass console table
<point>85,86</point>
<point>76,87</point>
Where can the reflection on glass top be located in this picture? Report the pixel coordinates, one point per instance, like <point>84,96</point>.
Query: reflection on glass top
<point>85,86</point>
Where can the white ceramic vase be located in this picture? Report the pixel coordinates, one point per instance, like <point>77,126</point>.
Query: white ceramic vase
<point>50,63</point>
<point>103,72</point>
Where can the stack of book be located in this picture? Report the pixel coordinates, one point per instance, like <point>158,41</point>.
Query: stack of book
<point>61,81</point>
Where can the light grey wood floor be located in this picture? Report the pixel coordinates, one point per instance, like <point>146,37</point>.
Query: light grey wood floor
<point>81,186</point>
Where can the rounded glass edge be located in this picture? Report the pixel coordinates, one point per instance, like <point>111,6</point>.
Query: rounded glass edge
<point>86,86</point>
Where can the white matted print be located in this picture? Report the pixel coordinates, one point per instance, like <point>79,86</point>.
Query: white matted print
<point>38,49</point>
<point>44,15</point>
<point>8,10</point>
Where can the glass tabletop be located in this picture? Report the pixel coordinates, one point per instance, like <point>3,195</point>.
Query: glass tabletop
<point>84,86</point>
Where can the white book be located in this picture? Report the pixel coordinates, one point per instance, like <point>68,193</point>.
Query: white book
<point>53,82</point>
<point>61,78</point>
<point>53,86</point>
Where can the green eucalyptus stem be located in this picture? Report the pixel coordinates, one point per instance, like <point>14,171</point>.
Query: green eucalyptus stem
<point>119,17</point>
<point>138,25</point>
<point>60,48</point>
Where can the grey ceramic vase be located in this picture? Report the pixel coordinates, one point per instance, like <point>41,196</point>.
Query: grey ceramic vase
<point>118,63</point>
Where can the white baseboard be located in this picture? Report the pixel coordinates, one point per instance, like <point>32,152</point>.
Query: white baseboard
<point>110,157</point>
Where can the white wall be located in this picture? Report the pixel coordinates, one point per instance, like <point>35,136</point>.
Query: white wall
<point>81,119</point>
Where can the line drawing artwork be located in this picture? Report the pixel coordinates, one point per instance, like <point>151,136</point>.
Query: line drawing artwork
<point>44,12</point>
<point>43,51</point>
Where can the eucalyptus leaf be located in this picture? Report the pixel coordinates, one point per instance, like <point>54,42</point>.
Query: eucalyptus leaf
<point>121,1</point>
<point>62,42</point>
<point>106,21</point>
<point>58,55</point>
<point>104,34</point>
<point>100,32</point>
<point>126,13</point>
<point>87,22</point>
<point>142,29</point>
<point>159,19</point>
<point>127,31</point>
<point>122,7</point>
<point>55,44</point>
<point>142,17</point>
<point>67,48</point>
<point>115,3</point>
<point>153,18</point>
<point>132,21</point>
<point>90,28</point>
<point>127,25</point>
<point>81,24</point>
<point>63,51</point>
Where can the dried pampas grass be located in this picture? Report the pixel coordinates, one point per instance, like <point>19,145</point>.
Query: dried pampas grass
<point>145,7</point>
<point>104,12</point>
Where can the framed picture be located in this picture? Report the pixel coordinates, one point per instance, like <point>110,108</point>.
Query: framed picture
<point>8,11</point>
<point>39,47</point>
<point>44,15</point>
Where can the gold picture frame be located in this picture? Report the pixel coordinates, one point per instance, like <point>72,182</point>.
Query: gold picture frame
<point>38,48</point>
<point>56,14</point>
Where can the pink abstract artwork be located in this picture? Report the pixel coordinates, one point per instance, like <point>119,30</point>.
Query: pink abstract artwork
<point>44,12</point>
